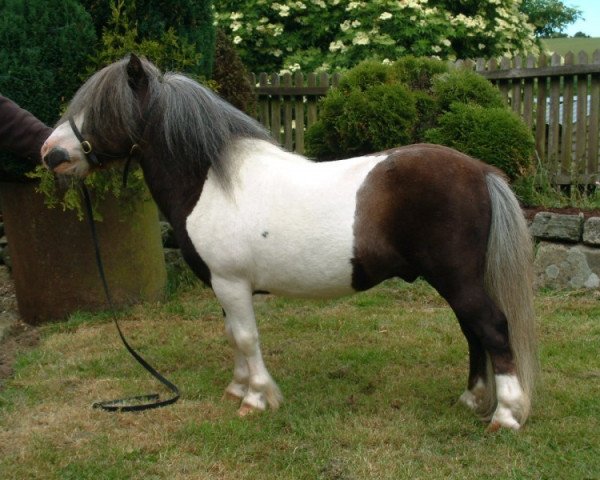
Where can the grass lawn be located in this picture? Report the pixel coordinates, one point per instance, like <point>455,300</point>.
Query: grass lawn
<point>575,45</point>
<point>370,383</point>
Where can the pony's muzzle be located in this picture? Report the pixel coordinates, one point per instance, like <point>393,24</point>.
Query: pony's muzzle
<point>55,157</point>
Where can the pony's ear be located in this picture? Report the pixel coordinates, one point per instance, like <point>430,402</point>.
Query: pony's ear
<point>138,79</point>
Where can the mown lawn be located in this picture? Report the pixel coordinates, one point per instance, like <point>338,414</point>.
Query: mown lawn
<point>575,45</point>
<point>370,381</point>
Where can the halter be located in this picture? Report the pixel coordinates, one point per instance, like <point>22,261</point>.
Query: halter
<point>91,156</point>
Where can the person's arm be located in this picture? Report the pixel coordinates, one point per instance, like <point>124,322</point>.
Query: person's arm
<point>21,132</point>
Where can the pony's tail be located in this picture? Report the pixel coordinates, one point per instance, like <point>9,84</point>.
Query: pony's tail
<point>508,281</point>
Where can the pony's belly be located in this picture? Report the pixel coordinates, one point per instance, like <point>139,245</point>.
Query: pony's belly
<point>306,278</point>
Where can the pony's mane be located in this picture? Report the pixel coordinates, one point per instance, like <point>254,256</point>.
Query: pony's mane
<point>186,123</point>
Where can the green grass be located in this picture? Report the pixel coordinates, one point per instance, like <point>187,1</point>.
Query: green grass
<point>575,45</point>
<point>370,381</point>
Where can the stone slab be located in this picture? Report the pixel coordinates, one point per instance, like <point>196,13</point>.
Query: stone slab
<point>562,266</point>
<point>556,226</point>
<point>591,231</point>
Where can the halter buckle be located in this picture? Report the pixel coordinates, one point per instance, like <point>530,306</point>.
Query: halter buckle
<point>87,147</point>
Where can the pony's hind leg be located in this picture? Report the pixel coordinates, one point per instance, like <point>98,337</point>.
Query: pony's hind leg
<point>476,396</point>
<point>252,382</point>
<point>479,315</point>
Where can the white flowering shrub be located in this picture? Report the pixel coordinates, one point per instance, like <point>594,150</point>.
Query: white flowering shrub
<point>334,34</point>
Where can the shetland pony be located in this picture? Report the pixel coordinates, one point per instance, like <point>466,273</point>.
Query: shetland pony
<point>251,217</point>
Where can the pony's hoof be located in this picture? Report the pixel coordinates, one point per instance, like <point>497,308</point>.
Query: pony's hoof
<point>493,427</point>
<point>235,391</point>
<point>230,396</point>
<point>246,410</point>
<point>496,425</point>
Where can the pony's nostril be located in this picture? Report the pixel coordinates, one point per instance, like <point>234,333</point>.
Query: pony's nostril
<point>56,157</point>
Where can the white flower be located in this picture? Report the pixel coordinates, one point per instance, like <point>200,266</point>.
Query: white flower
<point>335,46</point>
<point>236,15</point>
<point>361,38</point>
<point>481,46</point>
<point>235,26</point>
<point>237,39</point>
<point>386,61</point>
<point>356,23</point>
<point>385,16</point>
<point>436,49</point>
<point>446,42</point>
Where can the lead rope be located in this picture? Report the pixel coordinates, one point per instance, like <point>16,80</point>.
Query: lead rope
<point>140,402</point>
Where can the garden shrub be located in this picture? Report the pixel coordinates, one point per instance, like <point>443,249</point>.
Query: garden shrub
<point>378,107</point>
<point>189,21</point>
<point>357,123</point>
<point>427,115</point>
<point>495,135</point>
<point>465,86</point>
<point>231,76</point>
<point>418,72</point>
<point>365,75</point>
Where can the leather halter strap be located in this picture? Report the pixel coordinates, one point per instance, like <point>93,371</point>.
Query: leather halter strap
<point>91,155</point>
<point>85,144</point>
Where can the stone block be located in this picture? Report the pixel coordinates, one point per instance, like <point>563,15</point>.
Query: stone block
<point>555,226</point>
<point>564,266</point>
<point>591,231</point>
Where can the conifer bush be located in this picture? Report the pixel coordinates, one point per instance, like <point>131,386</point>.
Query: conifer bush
<point>495,135</point>
<point>44,48</point>
<point>465,86</point>
<point>231,76</point>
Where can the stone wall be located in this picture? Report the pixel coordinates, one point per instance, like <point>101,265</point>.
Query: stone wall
<point>567,251</point>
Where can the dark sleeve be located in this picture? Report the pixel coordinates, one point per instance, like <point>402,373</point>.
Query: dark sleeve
<point>20,132</point>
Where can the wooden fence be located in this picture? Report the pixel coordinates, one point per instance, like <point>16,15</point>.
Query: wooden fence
<point>288,104</point>
<point>545,91</point>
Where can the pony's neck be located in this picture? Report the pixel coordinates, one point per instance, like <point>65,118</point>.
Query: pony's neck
<point>175,194</point>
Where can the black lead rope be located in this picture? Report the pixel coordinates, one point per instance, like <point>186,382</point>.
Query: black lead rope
<point>140,402</point>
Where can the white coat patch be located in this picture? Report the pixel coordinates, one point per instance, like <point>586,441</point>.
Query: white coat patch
<point>287,225</point>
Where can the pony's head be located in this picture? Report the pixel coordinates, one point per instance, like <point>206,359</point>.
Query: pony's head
<point>105,119</point>
<point>171,117</point>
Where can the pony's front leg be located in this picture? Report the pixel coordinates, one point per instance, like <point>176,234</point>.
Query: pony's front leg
<point>252,382</point>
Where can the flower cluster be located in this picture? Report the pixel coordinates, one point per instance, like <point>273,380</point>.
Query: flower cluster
<point>338,33</point>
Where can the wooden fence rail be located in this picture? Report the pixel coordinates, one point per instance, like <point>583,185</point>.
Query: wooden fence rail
<point>559,98</point>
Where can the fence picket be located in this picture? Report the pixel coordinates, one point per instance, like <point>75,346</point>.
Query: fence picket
<point>581,129</point>
<point>593,155</point>
<point>287,115</point>
<point>540,114</point>
<point>275,110</point>
<point>566,140</point>
<point>528,87</point>
<point>299,121</point>
<point>554,120</point>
